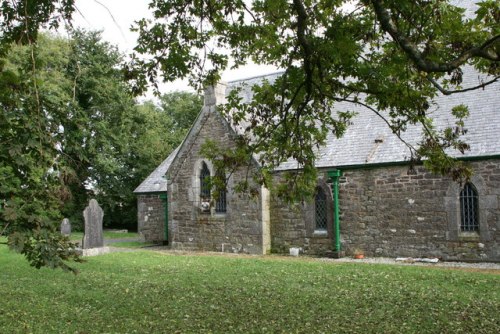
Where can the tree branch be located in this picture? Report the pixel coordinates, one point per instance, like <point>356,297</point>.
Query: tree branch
<point>423,64</point>
<point>112,18</point>
<point>449,92</point>
<point>410,146</point>
<point>4,229</point>
<point>304,43</point>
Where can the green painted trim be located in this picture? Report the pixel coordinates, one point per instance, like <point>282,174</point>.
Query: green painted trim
<point>151,193</point>
<point>335,175</point>
<point>404,163</point>
<point>478,158</point>
<point>164,198</point>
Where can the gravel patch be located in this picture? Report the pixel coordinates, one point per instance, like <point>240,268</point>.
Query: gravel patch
<point>489,266</point>
<point>409,262</point>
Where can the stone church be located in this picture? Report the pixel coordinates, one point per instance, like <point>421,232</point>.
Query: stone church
<point>365,200</point>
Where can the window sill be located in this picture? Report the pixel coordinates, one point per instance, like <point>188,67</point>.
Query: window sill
<point>320,233</point>
<point>468,236</point>
<point>219,214</point>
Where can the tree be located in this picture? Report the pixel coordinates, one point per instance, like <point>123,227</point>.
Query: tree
<point>33,183</point>
<point>34,177</point>
<point>99,127</point>
<point>391,57</point>
<point>21,20</point>
<point>70,131</point>
<point>181,108</point>
<point>146,136</point>
<point>66,115</point>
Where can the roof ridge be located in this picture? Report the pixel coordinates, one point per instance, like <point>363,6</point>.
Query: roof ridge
<point>256,77</point>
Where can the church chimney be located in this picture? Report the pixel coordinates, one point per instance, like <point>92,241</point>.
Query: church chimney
<point>215,95</point>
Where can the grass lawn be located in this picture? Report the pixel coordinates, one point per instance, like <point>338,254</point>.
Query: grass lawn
<point>148,292</point>
<point>77,236</point>
<point>132,244</point>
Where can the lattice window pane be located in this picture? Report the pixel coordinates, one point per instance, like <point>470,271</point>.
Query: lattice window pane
<point>220,203</point>
<point>469,209</point>
<point>204,181</point>
<point>321,209</point>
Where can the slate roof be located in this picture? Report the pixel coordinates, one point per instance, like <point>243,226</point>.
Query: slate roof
<point>155,182</point>
<point>368,140</point>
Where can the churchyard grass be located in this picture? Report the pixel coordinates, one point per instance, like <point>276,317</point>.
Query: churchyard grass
<point>77,236</point>
<point>149,292</point>
<point>132,244</point>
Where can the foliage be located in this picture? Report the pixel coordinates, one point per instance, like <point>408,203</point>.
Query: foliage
<point>181,109</point>
<point>123,141</point>
<point>96,127</point>
<point>73,104</point>
<point>21,20</point>
<point>153,132</point>
<point>389,57</point>
<point>130,293</point>
<point>70,132</point>
<point>33,175</point>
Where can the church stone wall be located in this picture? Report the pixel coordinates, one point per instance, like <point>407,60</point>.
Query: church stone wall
<point>240,228</point>
<point>293,225</point>
<point>386,212</point>
<point>150,217</point>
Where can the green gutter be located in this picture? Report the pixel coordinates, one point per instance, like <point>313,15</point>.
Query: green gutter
<point>395,163</point>
<point>404,163</point>
<point>164,198</point>
<point>334,176</point>
<point>478,157</point>
<point>150,193</point>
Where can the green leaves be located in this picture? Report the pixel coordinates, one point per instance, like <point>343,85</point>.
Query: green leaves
<point>69,130</point>
<point>388,57</point>
<point>64,140</point>
<point>44,248</point>
<point>20,20</point>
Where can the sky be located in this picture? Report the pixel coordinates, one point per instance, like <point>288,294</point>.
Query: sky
<point>115,17</point>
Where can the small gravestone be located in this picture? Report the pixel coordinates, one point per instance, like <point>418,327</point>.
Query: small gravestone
<point>93,215</point>
<point>65,227</point>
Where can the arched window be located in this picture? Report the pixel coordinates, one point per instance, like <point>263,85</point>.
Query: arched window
<point>469,209</point>
<point>204,182</point>
<point>321,216</point>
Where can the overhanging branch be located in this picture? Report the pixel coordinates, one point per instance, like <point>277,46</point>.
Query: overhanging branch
<point>449,92</point>
<point>483,51</point>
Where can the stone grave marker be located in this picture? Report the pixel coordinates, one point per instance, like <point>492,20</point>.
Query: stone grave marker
<point>93,215</point>
<point>66,227</point>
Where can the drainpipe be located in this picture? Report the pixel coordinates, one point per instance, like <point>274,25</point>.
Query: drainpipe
<point>164,198</point>
<point>334,175</point>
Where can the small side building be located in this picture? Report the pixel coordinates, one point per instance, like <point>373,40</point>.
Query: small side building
<point>152,207</point>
